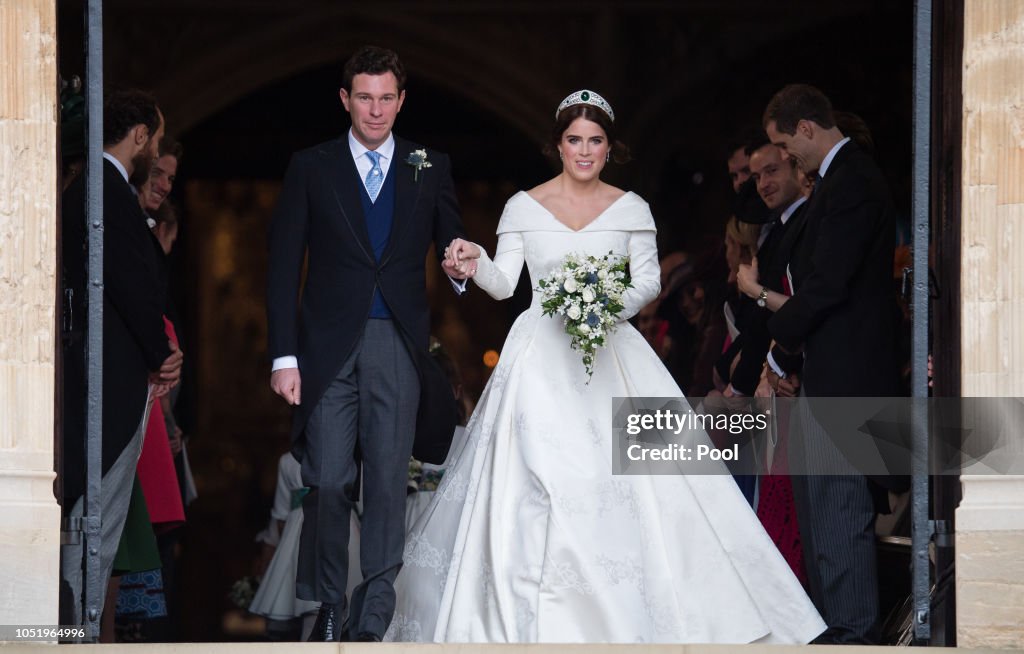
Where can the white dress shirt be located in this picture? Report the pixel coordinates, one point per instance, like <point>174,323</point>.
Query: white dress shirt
<point>117,164</point>
<point>827,161</point>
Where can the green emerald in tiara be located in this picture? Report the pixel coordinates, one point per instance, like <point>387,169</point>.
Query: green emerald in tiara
<point>586,97</point>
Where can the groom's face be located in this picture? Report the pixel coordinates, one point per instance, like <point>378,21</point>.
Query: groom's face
<point>373,104</point>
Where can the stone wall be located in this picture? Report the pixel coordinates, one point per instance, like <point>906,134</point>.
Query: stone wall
<point>29,515</point>
<point>990,520</point>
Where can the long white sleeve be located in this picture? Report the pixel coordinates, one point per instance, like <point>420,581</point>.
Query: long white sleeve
<point>499,276</point>
<point>644,271</point>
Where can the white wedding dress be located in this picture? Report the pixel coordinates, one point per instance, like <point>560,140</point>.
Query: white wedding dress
<point>530,538</point>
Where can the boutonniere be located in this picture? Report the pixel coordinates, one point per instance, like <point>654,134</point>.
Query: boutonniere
<point>418,160</point>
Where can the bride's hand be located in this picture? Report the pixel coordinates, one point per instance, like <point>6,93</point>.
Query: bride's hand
<point>460,250</point>
<point>461,256</point>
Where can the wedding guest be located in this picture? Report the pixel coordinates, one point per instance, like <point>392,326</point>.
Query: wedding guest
<point>737,159</point>
<point>158,467</point>
<point>158,186</point>
<point>697,327</point>
<point>139,361</point>
<point>740,248</point>
<point>842,316</point>
<point>784,190</point>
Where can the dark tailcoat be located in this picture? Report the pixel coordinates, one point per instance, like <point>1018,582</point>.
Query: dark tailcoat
<point>134,341</point>
<point>320,213</point>
<point>844,314</point>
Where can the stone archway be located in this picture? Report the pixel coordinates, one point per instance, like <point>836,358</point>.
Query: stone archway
<point>442,55</point>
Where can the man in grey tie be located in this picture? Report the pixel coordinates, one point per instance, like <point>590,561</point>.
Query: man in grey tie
<point>364,209</point>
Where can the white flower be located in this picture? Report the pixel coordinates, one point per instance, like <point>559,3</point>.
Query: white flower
<point>602,273</point>
<point>418,160</point>
<point>570,286</point>
<point>574,312</point>
<point>585,328</point>
<point>588,294</point>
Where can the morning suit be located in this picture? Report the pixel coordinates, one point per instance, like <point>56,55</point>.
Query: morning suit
<point>134,341</point>
<point>843,316</point>
<point>134,345</point>
<point>360,335</point>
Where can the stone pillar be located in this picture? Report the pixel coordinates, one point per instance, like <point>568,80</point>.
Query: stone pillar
<point>990,520</point>
<point>29,515</point>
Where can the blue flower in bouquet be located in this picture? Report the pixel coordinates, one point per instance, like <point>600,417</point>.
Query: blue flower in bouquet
<point>593,320</point>
<point>592,278</point>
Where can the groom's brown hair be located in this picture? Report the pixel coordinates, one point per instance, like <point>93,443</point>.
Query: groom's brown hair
<point>372,60</point>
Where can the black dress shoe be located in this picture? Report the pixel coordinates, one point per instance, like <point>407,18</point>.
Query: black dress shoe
<point>326,628</point>
<point>367,637</point>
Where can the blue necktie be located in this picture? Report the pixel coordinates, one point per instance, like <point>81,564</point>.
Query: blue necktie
<point>374,178</point>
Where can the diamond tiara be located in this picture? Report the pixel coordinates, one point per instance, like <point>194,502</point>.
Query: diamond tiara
<point>586,97</point>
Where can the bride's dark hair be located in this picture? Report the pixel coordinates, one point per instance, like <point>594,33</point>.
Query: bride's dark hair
<point>619,150</point>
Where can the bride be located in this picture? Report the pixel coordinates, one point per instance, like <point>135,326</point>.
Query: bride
<point>530,538</point>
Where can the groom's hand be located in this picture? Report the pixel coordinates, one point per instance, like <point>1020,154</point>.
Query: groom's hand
<point>287,383</point>
<point>460,258</point>
<point>452,271</point>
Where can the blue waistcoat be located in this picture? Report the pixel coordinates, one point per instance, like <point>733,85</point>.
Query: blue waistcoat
<point>379,216</point>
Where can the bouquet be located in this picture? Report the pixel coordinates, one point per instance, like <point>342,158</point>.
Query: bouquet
<point>587,292</point>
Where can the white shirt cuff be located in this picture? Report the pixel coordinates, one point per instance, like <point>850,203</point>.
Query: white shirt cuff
<point>458,284</point>
<point>280,363</point>
<point>775,367</point>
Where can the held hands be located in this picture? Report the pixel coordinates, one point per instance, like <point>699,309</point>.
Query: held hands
<point>287,383</point>
<point>460,259</point>
<point>747,279</point>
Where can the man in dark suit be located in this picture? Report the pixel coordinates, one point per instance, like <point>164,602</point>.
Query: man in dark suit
<point>784,190</point>
<point>842,317</point>
<point>364,208</point>
<point>139,362</point>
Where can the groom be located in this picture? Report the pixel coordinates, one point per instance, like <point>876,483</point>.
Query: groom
<point>364,209</point>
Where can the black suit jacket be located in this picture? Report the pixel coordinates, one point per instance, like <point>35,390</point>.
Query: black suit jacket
<point>320,214</point>
<point>843,313</point>
<point>772,258</point>
<point>134,340</point>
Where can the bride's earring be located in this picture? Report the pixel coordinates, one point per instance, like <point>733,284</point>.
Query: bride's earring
<point>560,155</point>
<point>608,157</point>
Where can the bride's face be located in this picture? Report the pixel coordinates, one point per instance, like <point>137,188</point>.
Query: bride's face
<point>584,149</point>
